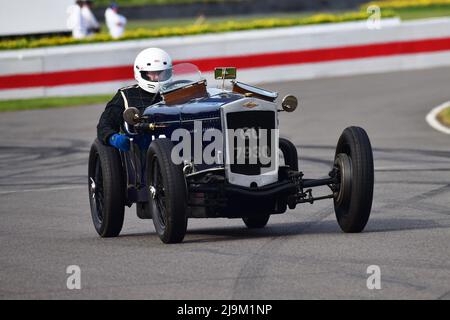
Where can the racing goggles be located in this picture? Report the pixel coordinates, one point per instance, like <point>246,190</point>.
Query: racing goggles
<point>157,76</point>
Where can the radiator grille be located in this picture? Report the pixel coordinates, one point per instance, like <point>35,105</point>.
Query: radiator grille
<point>246,121</point>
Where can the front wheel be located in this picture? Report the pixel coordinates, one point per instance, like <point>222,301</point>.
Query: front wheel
<point>167,190</point>
<point>354,166</point>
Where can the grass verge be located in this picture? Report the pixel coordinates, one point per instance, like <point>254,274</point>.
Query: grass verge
<point>423,13</point>
<point>444,117</point>
<point>126,3</point>
<point>202,20</point>
<point>48,103</point>
<point>193,29</point>
<point>404,14</point>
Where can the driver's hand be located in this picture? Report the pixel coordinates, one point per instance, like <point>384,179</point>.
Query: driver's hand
<point>120,141</point>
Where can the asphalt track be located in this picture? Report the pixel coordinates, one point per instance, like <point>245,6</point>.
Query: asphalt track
<point>45,223</point>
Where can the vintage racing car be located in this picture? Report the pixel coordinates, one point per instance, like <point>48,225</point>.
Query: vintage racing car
<point>234,185</point>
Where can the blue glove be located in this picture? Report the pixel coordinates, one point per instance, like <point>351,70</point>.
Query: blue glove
<point>120,141</point>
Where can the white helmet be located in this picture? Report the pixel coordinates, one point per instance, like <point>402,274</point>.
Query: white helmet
<point>152,68</point>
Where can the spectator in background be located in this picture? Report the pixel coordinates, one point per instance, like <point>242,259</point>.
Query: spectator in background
<point>92,24</point>
<point>114,21</point>
<point>76,22</point>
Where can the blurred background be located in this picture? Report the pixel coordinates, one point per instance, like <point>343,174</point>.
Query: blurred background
<point>101,33</point>
<point>45,17</point>
<point>21,18</point>
<point>90,45</point>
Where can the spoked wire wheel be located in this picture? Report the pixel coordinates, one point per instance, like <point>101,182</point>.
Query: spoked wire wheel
<point>167,190</point>
<point>157,193</point>
<point>96,190</point>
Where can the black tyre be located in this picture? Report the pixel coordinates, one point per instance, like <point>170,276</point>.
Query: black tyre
<point>354,163</point>
<point>167,189</point>
<point>106,189</point>
<point>256,222</point>
<point>289,153</point>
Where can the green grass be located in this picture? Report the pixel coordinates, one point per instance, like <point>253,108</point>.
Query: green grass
<point>422,13</point>
<point>404,14</point>
<point>161,23</point>
<point>444,117</point>
<point>48,103</point>
<point>192,29</point>
<point>127,3</point>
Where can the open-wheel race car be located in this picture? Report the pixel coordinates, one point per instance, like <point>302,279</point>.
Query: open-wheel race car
<point>217,153</point>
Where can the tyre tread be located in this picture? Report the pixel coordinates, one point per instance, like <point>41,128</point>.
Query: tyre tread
<point>360,151</point>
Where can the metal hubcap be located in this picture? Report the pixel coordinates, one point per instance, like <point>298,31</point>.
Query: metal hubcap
<point>93,186</point>
<point>157,192</point>
<point>152,191</point>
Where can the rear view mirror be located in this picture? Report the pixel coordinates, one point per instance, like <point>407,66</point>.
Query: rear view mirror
<point>131,116</point>
<point>289,103</point>
<point>222,73</point>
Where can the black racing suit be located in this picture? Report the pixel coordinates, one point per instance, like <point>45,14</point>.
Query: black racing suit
<point>111,120</point>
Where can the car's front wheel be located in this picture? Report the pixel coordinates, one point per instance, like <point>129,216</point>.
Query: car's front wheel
<point>167,190</point>
<point>354,166</point>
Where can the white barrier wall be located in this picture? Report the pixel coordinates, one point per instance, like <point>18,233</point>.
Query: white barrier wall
<point>289,53</point>
<point>35,16</point>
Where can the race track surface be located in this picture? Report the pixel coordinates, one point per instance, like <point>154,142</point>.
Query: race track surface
<point>46,225</point>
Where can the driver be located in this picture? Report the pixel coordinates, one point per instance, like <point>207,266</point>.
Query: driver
<point>152,68</point>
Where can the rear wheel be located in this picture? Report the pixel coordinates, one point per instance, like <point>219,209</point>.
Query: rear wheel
<point>167,190</point>
<point>256,222</point>
<point>354,164</point>
<point>106,189</point>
